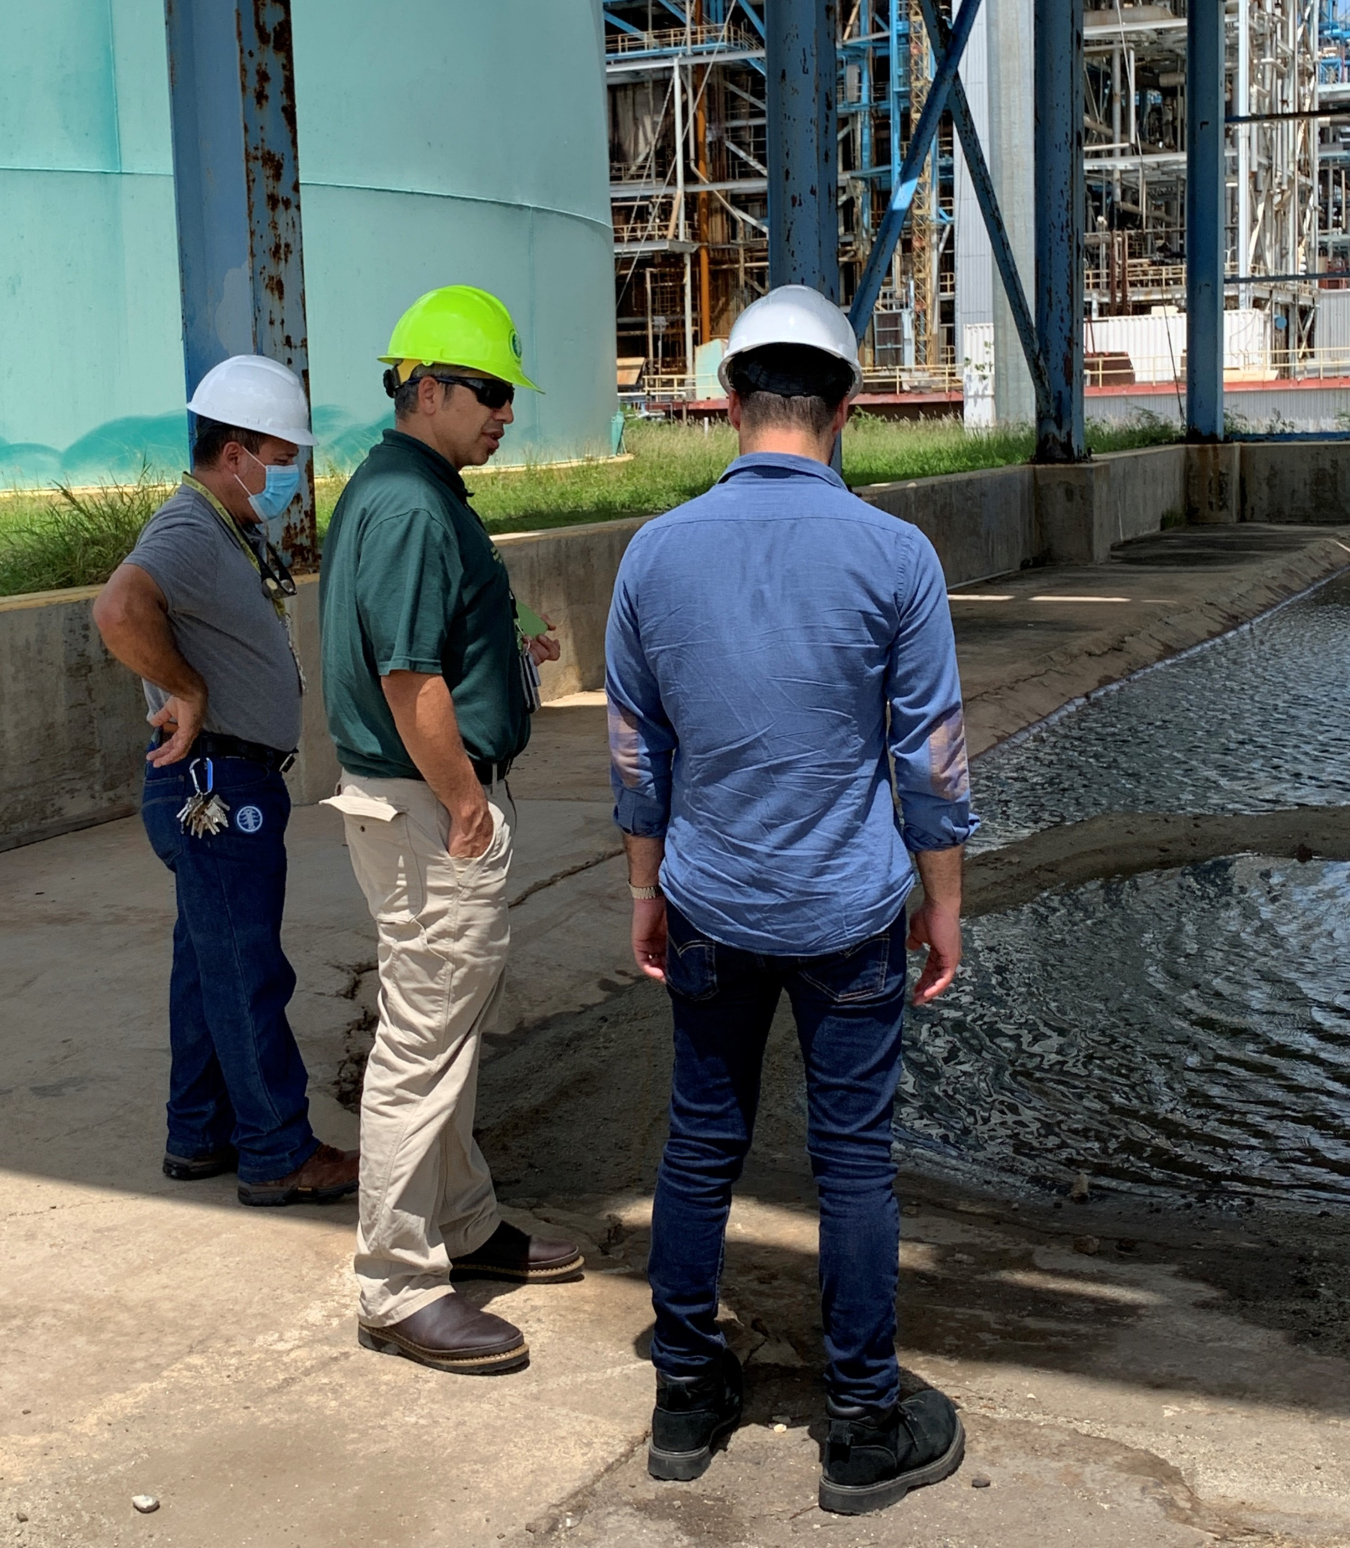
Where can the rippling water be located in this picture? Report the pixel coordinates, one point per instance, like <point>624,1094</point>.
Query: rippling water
<point>1258,720</point>
<point>1182,1030</point>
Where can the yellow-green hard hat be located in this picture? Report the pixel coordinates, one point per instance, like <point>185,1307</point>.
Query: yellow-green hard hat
<point>458,325</point>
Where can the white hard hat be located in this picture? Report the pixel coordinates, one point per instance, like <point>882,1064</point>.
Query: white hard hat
<point>252,392</point>
<point>794,314</point>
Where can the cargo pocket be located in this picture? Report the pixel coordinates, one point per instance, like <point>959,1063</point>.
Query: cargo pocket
<point>384,856</point>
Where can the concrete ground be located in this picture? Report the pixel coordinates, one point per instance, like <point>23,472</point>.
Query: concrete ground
<point>1126,1378</point>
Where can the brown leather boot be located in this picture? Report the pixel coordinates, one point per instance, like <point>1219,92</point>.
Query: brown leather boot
<point>510,1254</point>
<point>328,1174</point>
<point>451,1335</point>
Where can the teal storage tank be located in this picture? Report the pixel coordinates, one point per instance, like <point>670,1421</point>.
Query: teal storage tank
<point>440,142</point>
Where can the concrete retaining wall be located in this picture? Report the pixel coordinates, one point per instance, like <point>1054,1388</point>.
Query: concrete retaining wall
<point>72,721</point>
<point>569,575</point>
<point>1306,482</point>
<point>981,523</point>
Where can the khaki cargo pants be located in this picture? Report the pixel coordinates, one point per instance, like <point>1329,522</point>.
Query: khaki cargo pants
<point>426,1193</point>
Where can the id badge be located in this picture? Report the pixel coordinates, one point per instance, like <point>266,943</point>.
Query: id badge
<point>529,677</point>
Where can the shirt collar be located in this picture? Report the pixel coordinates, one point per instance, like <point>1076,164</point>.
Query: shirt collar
<point>436,464</point>
<point>786,462</point>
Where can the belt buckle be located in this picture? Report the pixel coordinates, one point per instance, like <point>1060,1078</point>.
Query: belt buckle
<point>288,762</point>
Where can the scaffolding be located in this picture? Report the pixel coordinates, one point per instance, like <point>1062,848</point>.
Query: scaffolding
<point>689,187</point>
<point>1135,160</point>
<point>689,183</point>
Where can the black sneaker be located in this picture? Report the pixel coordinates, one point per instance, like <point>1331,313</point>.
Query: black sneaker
<point>692,1414</point>
<point>875,1457</point>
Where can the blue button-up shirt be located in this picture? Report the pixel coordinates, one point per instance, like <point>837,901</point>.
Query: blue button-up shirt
<point>768,643</point>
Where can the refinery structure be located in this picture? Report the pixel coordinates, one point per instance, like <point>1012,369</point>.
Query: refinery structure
<point>688,189</point>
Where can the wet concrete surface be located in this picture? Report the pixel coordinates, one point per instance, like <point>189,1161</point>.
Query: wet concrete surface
<point>1128,1374</point>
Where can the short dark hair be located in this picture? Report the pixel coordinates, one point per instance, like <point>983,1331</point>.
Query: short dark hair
<point>404,394</point>
<point>212,438</point>
<point>791,386</point>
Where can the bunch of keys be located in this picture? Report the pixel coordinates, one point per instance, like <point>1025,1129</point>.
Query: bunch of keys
<point>203,812</point>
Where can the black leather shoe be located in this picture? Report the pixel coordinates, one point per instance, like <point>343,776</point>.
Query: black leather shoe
<point>875,1457</point>
<point>511,1254</point>
<point>692,1414</point>
<point>451,1335</point>
<point>195,1168</point>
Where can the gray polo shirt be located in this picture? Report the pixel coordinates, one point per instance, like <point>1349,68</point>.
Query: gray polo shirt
<point>223,622</point>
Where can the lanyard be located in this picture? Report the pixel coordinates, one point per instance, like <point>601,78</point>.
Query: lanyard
<point>270,584</point>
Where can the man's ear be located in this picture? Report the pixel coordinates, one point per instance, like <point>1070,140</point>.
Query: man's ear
<point>734,408</point>
<point>428,392</point>
<point>840,417</point>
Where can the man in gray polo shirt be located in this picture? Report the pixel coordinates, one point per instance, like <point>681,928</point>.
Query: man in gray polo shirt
<point>198,611</point>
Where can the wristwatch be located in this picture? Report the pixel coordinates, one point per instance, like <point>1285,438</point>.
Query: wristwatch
<point>644,894</point>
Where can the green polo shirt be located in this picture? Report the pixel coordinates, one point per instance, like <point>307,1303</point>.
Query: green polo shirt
<point>412,582</point>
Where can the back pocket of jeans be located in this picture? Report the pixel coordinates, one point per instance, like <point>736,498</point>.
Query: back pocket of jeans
<point>854,976</point>
<point>691,960</point>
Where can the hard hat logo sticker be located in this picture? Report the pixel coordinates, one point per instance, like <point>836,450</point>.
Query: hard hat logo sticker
<point>249,819</point>
<point>515,344</point>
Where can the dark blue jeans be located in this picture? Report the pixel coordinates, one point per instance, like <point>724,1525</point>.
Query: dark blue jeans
<point>849,1009</point>
<point>236,1077</point>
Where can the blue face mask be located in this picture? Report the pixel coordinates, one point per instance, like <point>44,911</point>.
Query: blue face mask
<point>273,499</point>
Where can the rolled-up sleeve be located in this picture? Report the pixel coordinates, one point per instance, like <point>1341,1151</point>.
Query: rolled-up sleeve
<point>641,739</point>
<point>927,729</point>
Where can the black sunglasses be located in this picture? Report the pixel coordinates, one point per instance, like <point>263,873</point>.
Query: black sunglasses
<point>492,395</point>
<point>277,580</point>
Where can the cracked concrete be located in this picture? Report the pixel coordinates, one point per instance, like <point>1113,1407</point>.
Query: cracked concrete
<point>1184,1383</point>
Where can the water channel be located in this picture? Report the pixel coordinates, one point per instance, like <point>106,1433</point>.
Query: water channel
<point>1181,1033</point>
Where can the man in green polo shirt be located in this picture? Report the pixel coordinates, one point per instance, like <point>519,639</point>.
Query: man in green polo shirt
<point>427,680</point>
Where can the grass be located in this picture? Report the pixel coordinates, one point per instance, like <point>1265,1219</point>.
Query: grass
<point>52,539</point>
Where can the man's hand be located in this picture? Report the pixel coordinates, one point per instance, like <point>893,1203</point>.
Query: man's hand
<point>132,615</point>
<point>649,914</point>
<point>470,832</point>
<point>181,716</point>
<point>649,937</point>
<point>424,714</point>
<point>939,929</point>
<point>936,923</point>
<point>541,647</point>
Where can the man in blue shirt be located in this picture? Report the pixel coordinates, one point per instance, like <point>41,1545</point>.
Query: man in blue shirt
<point>774,647</point>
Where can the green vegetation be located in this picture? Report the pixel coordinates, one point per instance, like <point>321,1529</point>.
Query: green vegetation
<point>64,538</point>
<point>50,541</point>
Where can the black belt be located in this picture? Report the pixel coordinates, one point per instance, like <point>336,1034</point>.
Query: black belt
<point>213,744</point>
<point>489,773</point>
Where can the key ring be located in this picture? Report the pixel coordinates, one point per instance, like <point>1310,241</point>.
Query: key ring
<point>210,776</point>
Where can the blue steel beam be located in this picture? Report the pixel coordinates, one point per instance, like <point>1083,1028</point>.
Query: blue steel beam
<point>902,196</point>
<point>1060,196</point>
<point>755,21</point>
<point>237,192</point>
<point>1204,220</point>
<point>983,185</point>
<point>623,26</point>
<point>800,68</point>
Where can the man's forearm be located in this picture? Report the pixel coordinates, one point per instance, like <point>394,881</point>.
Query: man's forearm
<point>644,858</point>
<point>424,714</point>
<point>135,628</point>
<point>940,873</point>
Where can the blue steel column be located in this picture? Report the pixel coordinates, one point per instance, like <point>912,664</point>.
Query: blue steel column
<point>1060,199</point>
<point>237,191</point>
<point>1204,220</point>
<point>799,61</point>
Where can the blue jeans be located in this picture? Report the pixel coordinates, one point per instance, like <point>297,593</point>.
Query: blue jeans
<point>849,1007</point>
<point>236,1077</point>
